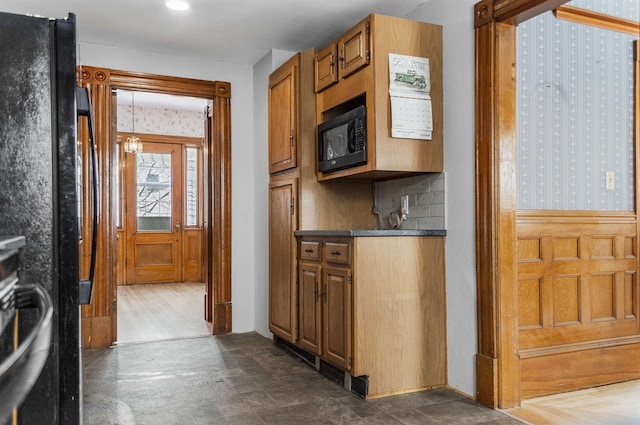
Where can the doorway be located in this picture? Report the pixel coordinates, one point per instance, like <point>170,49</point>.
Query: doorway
<point>99,320</point>
<point>161,287</point>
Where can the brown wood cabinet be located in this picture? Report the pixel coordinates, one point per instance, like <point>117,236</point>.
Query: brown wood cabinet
<point>282,266</point>
<point>343,57</point>
<point>283,120</point>
<point>357,66</point>
<point>297,199</point>
<point>325,301</point>
<point>375,307</point>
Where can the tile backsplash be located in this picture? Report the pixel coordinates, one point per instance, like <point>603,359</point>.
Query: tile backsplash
<point>427,201</point>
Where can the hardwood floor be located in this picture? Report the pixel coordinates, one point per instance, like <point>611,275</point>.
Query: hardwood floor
<point>616,404</point>
<point>154,312</point>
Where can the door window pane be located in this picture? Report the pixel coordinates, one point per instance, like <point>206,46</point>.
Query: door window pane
<point>192,187</point>
<point>153,184</point>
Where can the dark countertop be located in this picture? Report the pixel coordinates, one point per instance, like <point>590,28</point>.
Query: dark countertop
<point>371,233</point>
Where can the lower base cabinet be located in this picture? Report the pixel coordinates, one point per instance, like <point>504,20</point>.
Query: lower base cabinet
<point>374,307</point>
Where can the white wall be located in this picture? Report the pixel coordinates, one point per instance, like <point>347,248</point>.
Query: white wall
<point>456,17</point>
<point>261,71</point>
<point>243,248</point>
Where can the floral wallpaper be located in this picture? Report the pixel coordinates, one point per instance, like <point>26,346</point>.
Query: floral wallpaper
<point>575,112</point>
<point>170,122</point>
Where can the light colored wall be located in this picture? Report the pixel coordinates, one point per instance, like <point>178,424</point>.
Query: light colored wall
<point>261,71</point>
<point>167,121</point>
<point>243,250</point>
<point>575,112</point>
<point>456,17</point>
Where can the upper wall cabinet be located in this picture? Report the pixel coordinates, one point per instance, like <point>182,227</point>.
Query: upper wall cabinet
<point>343,57</point>
<point>355,70</point>
<point>283,125</point>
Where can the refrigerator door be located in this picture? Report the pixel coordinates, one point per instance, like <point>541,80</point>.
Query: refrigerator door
<point>38,196</point>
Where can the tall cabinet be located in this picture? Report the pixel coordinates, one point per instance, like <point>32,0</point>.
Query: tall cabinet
<point>297,201</point>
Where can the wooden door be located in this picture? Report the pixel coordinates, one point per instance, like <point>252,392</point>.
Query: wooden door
<point>283,95</point>
<point>282,265</point>
<point>354,49</point>
<point>336,295</point>
<point>326,67</point>
<point>310,307</point>
<point>154,214</point>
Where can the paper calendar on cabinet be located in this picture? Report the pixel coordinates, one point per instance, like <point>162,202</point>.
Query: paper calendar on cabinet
<point>409,89</point>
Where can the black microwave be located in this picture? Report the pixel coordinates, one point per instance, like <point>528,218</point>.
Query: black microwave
<point>342,141</point>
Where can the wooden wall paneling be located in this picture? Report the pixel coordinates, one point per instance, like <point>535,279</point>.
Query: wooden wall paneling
<point>589,268</point>
<point>575,370</point>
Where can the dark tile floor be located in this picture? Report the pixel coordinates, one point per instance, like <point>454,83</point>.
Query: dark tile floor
<point>245,379</point>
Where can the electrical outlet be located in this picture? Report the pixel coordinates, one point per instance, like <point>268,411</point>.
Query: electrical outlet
<point>610,182</point>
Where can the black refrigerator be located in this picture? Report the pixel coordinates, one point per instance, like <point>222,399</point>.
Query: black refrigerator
<point>38,196</point>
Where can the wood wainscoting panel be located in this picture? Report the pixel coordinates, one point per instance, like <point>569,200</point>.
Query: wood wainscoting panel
<point>562,372</point>
<point>566,248</point>
<point>566,293</point>
<point>585,288</point>
<point>530,303</point>
<point>601,297</point>
<point>529,249</point>
<point>630,295</point>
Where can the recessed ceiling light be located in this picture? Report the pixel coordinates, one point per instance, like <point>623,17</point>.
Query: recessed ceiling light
<point>177,4</point>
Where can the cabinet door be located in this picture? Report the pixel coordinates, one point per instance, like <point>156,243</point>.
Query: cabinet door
<point>283,103</point>
<point>282,248</point>
<point>326,67</point>
<point>336,295</point>
<point>354,49</point>
<point>310,307</point>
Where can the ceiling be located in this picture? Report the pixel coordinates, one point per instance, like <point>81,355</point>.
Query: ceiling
<point>233,31</point>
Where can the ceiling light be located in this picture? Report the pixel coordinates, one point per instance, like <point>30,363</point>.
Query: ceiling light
<point>177,4</point>
<point>133,144</point>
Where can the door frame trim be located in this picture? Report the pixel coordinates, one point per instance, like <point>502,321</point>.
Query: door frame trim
<point>217,153</point>
<point>497,367</point>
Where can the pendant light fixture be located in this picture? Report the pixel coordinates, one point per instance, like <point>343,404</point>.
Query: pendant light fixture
<point>133,144</point>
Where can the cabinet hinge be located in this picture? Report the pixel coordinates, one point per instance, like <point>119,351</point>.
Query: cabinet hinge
<point>292,205</point>
<point>367,27</point>
<point>350,361</point>
<point>350,279</point>
<point>291,138</point>
<point>368,55</point>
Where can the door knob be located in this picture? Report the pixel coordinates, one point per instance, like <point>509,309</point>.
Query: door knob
<point>178,225</point>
